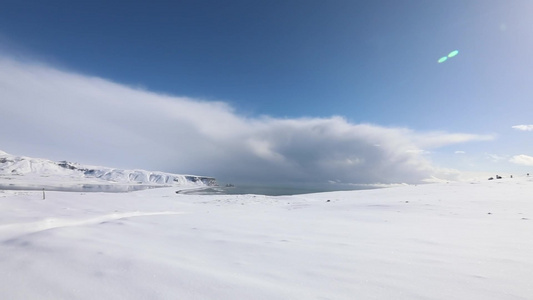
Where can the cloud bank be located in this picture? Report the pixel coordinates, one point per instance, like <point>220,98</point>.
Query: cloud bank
<point>56,114</point>
<point>522,159</point>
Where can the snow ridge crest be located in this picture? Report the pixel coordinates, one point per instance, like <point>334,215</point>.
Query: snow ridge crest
<point>15,167</point>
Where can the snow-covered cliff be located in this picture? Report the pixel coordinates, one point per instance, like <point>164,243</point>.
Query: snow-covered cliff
<point>17,169</point>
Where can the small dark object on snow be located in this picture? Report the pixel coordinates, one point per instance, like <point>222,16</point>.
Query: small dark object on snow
<point>491,178</point>
<point>498,177</point>
<point>489,214</point>
<point>328,200</point>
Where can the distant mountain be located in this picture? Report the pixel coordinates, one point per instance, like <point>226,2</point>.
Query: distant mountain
<point>26,170</point>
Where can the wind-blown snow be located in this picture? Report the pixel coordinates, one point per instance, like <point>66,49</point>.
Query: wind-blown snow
<point>437,241</point>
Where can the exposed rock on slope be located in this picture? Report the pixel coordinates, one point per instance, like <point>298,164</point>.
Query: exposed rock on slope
<point>35,170</point>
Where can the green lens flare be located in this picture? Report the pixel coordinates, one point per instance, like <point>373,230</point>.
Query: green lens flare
<point>453,53</point>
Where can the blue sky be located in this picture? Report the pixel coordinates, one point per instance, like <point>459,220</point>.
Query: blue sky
<point>367,62</point>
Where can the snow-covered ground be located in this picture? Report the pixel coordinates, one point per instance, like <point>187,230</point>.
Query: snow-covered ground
<point>436,241</point>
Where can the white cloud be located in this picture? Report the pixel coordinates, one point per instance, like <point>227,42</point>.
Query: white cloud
<point>60,115</point>
<point>440,139</point>
<point>523,127</point>
<point>522,159</point>
<point>460,152</point>
<point>495,157</point>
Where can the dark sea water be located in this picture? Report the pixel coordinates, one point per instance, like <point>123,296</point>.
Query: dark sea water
<point>272,190</point>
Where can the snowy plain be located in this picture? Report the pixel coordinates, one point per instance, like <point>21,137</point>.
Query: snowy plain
<point>454,240</point>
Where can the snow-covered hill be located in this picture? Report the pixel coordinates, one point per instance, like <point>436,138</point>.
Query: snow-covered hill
<point>20,170</point>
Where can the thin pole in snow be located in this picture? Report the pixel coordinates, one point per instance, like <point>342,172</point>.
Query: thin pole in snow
<point>43,194</point>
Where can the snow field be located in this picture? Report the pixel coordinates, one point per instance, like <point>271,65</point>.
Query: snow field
<point>438,241</point>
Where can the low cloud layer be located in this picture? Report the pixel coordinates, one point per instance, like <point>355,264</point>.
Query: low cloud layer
<point>61,115</point>
<point>522,159</point>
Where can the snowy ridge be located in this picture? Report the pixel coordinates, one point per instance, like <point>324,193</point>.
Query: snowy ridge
<point>18,168</point>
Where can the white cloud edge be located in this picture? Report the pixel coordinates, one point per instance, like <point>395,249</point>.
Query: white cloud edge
<point>522,159</point>
<point>523,127</point>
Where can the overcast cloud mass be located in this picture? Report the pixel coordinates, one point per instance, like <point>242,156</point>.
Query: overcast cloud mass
<point>61,115</point>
